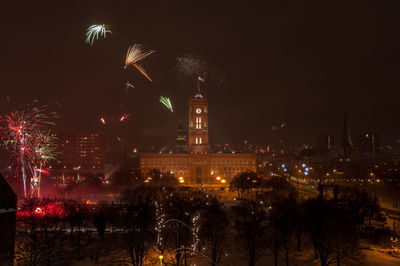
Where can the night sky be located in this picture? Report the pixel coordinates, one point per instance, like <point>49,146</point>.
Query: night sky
<point>302,63</point>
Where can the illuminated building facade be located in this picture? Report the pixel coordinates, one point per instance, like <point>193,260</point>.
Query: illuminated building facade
<point>199,165</point>
<point>79,154</point>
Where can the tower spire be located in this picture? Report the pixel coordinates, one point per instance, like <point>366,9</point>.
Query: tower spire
<point>346,141</point>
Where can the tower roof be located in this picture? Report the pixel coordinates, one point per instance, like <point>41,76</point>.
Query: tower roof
<point>198,96</point>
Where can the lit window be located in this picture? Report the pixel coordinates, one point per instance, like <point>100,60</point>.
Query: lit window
<point>198,122</point>
<point>199,140</point>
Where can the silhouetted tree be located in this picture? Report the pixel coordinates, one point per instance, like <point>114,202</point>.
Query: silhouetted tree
<point>137,224</point>
<point>250,219</point>
<point>157,178</point>
<point>180,208</point>
<point>39,241</point>
<point>331,230</point>
<point>214,228</point>
<point>244,183</point>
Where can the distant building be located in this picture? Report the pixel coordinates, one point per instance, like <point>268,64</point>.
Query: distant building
<point>199,165</point>
<point>8,210</point>
<point>326,144</point>
<point>367,143</point>
<point>181,140</point>
<point>79,154</point>
<point>346,139</point>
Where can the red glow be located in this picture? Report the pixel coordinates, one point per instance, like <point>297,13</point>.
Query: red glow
<point>73,177</point>
<point>45,210</point>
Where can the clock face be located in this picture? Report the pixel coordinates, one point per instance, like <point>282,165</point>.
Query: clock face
<point>198,110</point>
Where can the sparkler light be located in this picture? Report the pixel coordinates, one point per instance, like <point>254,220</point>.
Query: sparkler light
<point>136,54</point>
<point>166,101</point>
<point>94,31</point>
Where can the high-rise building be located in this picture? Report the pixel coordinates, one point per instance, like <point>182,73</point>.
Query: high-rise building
<point>199,165</point>
<point>79,154</point>
<point>181,140</point>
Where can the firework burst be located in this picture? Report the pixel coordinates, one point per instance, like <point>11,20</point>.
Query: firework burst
<point>167,102</point>
<point>26,135</point>
<point>94,31</point>
<point>136,54</point>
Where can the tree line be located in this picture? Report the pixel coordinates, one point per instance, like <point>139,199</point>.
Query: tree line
<point>178,225</point>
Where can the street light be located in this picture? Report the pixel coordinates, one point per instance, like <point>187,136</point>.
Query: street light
<point>161,258</point>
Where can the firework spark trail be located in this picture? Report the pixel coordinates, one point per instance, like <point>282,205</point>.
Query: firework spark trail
<point>167,102</point>
<point>189,67</point>
<point>26,135</point>
<point>123,117</point>
<point>136,54</point>
<point>129,85</point>
<point>94,31</point>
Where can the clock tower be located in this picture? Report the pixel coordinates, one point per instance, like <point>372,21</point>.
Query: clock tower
<point>198,125</point>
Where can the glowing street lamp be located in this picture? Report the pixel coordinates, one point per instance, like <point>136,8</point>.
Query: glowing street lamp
<point>161,259</point>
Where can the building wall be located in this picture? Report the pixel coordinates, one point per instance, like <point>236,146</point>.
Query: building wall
<point>199,168</point>
<point>228,165</point>
<point>79,153</point>
<point>176,163</point>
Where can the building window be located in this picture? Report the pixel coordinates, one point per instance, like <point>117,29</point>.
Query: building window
<point>197,140</point>
<point>198,122</point>
<point>200,140</point>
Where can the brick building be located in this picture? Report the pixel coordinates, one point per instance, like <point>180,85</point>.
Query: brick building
<point>199,165</point>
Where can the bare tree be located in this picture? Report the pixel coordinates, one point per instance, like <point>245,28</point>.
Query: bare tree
<point>214,228</point>
<point>137,223</point>
<point>40,239</point>
<point>250,218</point>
